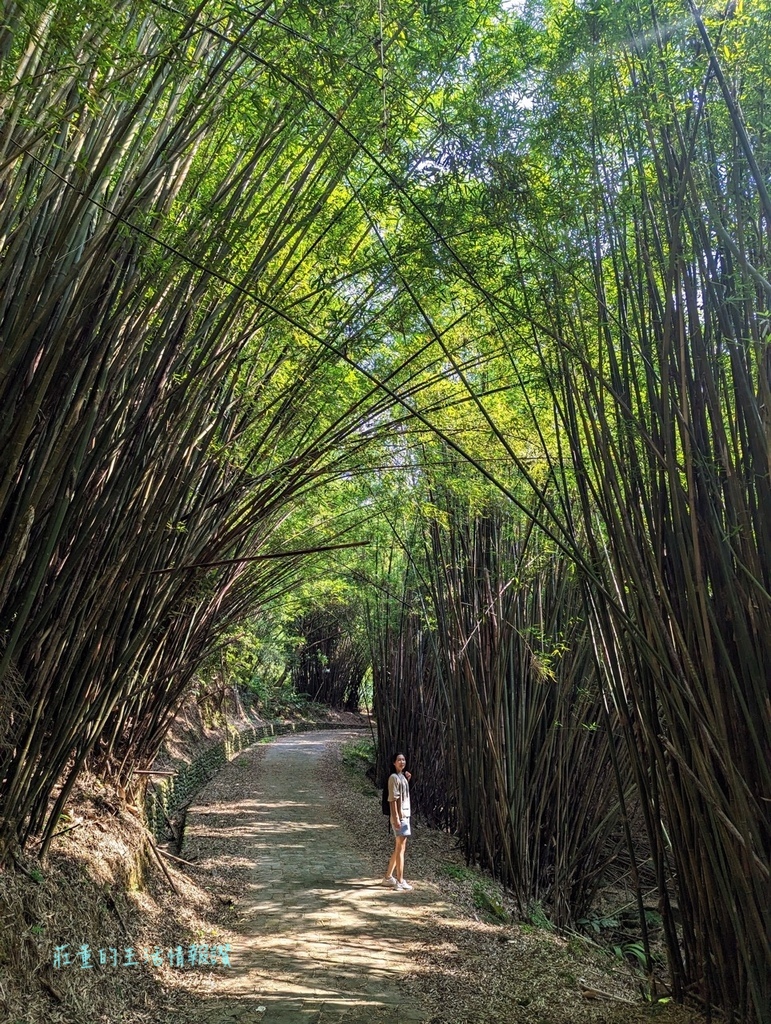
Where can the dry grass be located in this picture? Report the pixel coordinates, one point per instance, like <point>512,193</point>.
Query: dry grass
<point>102,886</point>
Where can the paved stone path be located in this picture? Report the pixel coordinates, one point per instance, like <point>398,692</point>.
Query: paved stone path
<point>320,940</point>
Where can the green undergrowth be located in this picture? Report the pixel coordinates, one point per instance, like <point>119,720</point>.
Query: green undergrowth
<point>360,757</point>
<point>484,895</point>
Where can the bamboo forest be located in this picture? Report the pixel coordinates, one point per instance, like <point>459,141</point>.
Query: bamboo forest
<point>410,358</point>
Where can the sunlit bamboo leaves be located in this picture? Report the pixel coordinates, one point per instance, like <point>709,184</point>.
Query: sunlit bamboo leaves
<point>173,181</point>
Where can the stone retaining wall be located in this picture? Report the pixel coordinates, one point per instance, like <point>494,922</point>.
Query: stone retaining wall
<point>168,794</point>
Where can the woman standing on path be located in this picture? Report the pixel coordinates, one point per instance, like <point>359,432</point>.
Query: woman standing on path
<point>399,802</point>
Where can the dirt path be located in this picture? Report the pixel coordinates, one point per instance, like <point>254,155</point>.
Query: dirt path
<point>318,939</point>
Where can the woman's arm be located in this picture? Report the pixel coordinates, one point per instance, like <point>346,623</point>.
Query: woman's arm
<point>396,812</point>
<point>395,801</point>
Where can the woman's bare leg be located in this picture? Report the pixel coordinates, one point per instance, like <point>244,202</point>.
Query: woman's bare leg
<point>392,862</point>
<point>401,843</point>
<point>396,863</point>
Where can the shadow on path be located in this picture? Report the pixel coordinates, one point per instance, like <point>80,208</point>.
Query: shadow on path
<point>318,939</point>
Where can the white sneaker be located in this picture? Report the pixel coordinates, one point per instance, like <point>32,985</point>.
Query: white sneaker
<point>404,886</point>
<point>390,880</point>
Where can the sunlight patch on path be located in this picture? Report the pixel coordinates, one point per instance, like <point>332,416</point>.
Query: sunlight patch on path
<point>318,939</point>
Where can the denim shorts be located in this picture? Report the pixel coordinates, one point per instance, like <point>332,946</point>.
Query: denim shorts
<point>406,830</point>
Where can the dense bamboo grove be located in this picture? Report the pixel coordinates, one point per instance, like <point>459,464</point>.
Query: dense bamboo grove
<point>249,252</point>
<point>644,302</point>
<point>330,662</point>
<point>166,188</point>
<point>501,692</point>
<point>662,393</point>
<point>407,703</point>
<point>532,770</point>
